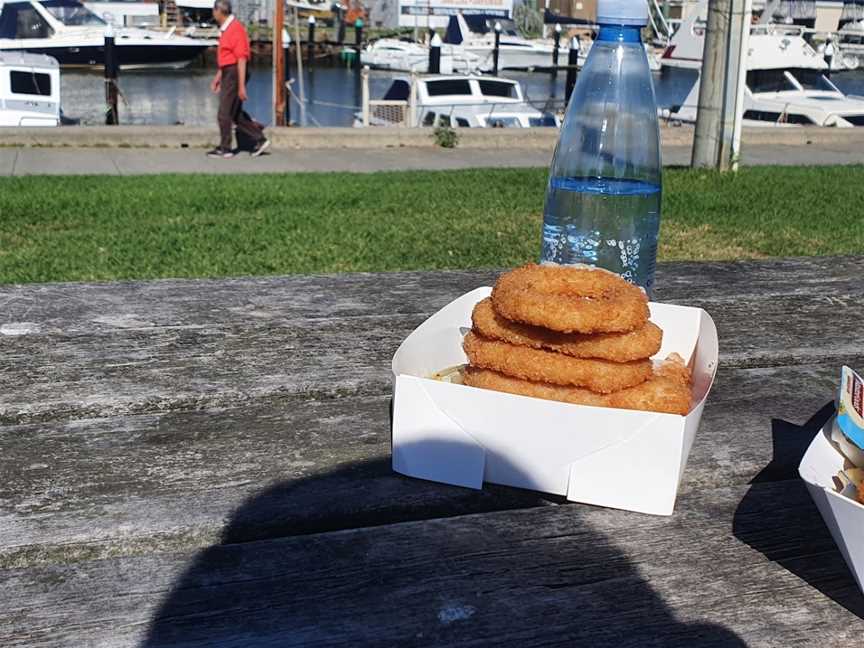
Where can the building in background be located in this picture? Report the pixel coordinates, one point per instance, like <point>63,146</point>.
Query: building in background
<point>435,14</point>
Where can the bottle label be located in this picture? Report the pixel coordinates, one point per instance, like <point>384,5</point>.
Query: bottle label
<point>850,407</point>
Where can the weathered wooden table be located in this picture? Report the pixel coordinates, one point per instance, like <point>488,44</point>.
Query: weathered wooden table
<point>206,463</point>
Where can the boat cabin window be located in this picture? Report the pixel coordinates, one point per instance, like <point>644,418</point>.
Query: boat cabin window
<point>30,83</point>
<point>72,13</point>
<point>399,91</point>
<point>503,122</point>
<point>548,119</point>
<point>21,20</point>
<point>445,87</point>
<point>812,80</point>
<point>429,119</point>
<point>769,81</point>
<point>483,24</point>
<point>778,118</point>
<point>461,121</point>
<point>498,89</point>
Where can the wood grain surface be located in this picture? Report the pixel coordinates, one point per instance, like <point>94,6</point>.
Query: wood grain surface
<point>206,463</point>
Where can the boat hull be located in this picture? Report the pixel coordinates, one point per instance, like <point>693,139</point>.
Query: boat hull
<point>130,56</point>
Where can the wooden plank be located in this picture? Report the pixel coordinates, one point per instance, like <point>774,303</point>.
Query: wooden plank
<point>156,482</point>
<point>104,307</point>
<point>735,566</point>
<point>54,376</point>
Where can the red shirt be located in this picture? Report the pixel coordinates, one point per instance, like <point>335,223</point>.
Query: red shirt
<point>233,43</point>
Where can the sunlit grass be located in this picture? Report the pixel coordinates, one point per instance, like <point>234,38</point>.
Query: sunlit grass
<point>89,228</point>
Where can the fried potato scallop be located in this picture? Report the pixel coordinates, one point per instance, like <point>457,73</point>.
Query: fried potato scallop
<point>639,344</point>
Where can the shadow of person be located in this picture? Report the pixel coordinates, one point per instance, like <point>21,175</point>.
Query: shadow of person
<point>514,577</point>
<point>777,517</point>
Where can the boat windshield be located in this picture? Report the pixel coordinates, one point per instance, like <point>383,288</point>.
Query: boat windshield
<point>788,80</point>
<point>810,79</point>
<point>484,23</point>
<point>769,81</point>
<point>72,13</point>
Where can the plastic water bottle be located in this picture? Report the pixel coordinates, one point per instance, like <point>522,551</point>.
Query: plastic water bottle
<point>603,198</point>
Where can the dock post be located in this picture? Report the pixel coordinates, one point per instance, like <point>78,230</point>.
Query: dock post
<point>286,76</point>
<point>340,26</point>
<point>112,115</point>
<point>364,103</point>
<point>497,48</point>
<point>358,41</point>
<point>279,64</point>
<point>412,101</point>
<point>556,43</point>
<point>435,55</point>
<point>572,67</point>
<point>310,45</point>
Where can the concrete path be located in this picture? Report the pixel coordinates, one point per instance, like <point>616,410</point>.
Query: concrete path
<point>122,161</point>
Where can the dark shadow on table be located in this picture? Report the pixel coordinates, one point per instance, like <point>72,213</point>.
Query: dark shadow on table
<point>441,582</point>
<point>794,535</point>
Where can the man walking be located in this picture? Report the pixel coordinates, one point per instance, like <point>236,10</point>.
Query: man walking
<point>230,83</point>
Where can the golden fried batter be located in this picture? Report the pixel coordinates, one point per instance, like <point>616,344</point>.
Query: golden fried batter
<point>537,365</point>
<point>667,391</point>
<point>641,343</point>
<point>570,299</point>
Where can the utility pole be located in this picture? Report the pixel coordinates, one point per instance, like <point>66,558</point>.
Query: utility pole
<point>721,91</point>
<point>279,56</point>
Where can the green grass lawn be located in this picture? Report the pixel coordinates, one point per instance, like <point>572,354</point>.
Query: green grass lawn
<point>88,228</point>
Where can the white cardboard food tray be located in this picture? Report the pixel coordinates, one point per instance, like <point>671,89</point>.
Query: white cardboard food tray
<point>843,517</point>
<point>608,457</point>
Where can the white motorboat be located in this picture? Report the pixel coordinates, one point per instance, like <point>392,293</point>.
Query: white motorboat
<point>475,34</point>
<point>462,101</point>
<point>786,84</point>
<point>75,36</point>
<point>29,90</point>
<point>406,56</point>
<point>850,42</point>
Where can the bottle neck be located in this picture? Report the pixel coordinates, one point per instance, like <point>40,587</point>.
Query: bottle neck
<point>620,34</point>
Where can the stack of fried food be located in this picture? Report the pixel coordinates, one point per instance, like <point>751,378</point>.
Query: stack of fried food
<point>575,334</point>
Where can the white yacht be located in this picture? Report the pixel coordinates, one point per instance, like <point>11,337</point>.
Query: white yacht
<point>786,84</point>
<point>29,90</point>
<point>475,34</point>
<point>850,42</point>
<point>407,56</point>
<point>464,101</point>
<point>75,36</point>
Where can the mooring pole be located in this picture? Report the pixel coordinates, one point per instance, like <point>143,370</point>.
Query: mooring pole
<point>572,68</point>
<point>286,51</point>
<point>495,52</point>
<point>298,55</point>
<point>279,64</point>
<point>340,27</point>
<point>358,41</point>
<point>435,55</point>
<point>112,115</point>
<point>556,43</point>
<point>310,45</point>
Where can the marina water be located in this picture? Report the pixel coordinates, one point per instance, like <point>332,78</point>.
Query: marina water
<point>603,198</point>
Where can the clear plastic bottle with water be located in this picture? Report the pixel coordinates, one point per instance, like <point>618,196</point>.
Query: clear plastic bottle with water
<point>603,198</point>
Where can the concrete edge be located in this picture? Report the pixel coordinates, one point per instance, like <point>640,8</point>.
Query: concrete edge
<point>168,137</point>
